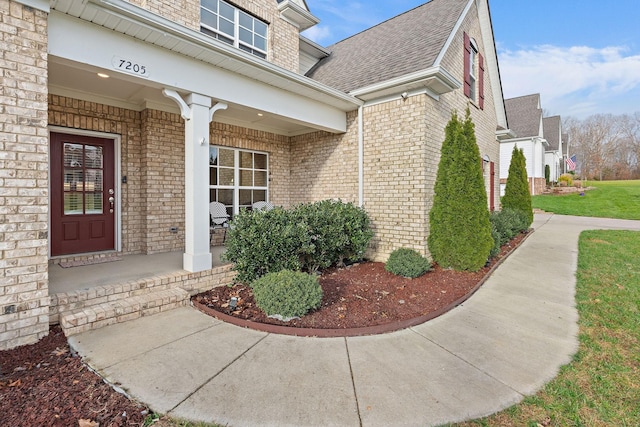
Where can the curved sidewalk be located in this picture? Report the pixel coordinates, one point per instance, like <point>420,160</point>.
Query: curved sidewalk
<point>505,342</point>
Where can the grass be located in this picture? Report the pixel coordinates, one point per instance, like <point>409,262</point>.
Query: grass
<point>609,199</point>
<point>601,386</point>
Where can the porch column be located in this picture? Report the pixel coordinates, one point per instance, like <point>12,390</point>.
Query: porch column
<point>198,113</point>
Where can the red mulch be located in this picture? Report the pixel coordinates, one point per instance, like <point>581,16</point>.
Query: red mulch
<point>45,385</point>
<point>362,295</point>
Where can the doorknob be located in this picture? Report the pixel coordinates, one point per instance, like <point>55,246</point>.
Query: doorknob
<point>111,200</point>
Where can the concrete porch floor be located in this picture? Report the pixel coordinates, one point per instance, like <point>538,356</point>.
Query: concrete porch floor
<point>130,267</point>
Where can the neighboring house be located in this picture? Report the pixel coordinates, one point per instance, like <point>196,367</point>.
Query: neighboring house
<point>553,156</point>
<point>525,120</point>
<point>122,120</point>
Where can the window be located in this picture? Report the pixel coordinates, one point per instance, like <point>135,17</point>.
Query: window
<point>473,71</point>
<point>238,178</point>
<point>233,26</point>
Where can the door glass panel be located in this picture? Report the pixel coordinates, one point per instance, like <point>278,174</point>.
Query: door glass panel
<point>93,156</point>
<point>213,156</point>
<point>246,178</point>
<point>260,178</point>
<point>72,203</point>
<point>213,176</point>
<point>73,155</point>
<point>226,176</point>
<point>72,180</point>
<point>93,181</point>
<point>93,203</point>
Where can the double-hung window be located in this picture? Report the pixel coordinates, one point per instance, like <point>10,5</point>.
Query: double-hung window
<point>236,27</point>
<point>473,72</point>
<point>238,178</point>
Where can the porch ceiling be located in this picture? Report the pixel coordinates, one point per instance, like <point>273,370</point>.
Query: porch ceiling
<point>81,81</point>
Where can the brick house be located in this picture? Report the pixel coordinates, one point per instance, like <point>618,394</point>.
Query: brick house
<point>122,120</point>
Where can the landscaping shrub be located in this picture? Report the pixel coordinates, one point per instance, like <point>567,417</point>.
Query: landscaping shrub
<point>407,262</point>
<point>567,178</point>
<point>495,250</point>
<point>508,223</point>
<point>516,193</point>
<point>460,232</point>
<point>266,241</point>
<point>339,231</point>
<point>547,174</point>
<point>307,238</point>
<point>287,293</point>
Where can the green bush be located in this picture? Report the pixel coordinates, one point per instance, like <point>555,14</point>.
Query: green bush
<point>339,231</point>
<point>547,174</point>
<point>266,241</point>
<point>287,293</point>
<point>460,232</point>
<point>566,178</point>
<point>508,223</point>
<point>407,262</point>
<point>516,193</point>
<point>306,238</point>
<point>495,235</point>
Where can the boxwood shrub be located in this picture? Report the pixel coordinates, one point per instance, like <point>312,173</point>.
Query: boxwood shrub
<point>287,293</point>
<point>407,263</point>
<point>508,223</point>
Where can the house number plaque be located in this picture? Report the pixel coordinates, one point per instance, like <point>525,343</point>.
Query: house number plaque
<point>129,66</point>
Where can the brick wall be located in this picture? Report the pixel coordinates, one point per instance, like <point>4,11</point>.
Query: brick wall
<point>24,156</point>
<point>184,12</point>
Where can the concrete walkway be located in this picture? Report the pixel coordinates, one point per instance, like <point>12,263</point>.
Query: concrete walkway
<point>504,343</point>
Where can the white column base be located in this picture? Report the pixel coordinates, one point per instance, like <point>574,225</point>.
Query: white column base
<point>196,262</point>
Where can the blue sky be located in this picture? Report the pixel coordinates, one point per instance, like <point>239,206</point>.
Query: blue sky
<point>582,56</point>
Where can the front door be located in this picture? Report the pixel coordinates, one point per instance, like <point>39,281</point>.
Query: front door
<point>82,194</point>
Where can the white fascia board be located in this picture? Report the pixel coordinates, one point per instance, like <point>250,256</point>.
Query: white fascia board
<point>438,80</point>
<point>42,5</point>
<point>77,40</point>
<point>505,134</point>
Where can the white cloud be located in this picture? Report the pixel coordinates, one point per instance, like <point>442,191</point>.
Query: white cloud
<point>578,80</point>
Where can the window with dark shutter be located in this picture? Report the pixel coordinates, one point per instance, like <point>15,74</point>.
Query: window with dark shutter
<point>481,81</point>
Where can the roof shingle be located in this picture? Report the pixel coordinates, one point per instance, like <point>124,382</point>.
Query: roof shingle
<point>402,45</point>
<point>524,115</point>
<point>551,127</point>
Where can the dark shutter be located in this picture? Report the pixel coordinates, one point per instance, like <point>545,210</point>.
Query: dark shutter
<point>467,56</point>
<point>481,81</point>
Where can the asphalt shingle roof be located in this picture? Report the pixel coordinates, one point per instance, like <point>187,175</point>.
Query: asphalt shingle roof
<point>405,44</point>
<point>524,115</point>
<point>551,127</point>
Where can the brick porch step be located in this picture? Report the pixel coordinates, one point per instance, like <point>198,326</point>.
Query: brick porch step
<point>108,313</point>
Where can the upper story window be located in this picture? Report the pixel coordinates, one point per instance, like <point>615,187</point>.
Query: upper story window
<point>231,25</point>
<point>473,71</point>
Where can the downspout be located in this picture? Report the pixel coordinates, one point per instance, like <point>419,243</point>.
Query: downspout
<point>360,157</point>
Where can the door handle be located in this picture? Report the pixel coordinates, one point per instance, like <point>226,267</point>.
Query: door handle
<point>111,200</point>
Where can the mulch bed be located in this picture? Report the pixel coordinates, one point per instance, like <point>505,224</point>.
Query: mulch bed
<point>45,385</point>
<point>359,299</point>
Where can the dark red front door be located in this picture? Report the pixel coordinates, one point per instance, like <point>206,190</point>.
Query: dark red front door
<point>82,194</point>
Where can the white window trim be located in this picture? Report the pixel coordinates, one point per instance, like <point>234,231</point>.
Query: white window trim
<point>236,187</point>
<point>473,69</point>
<point>237,43</point>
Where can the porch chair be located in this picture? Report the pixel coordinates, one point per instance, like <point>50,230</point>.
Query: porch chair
<point>219,218</point>
<point>262,206</point>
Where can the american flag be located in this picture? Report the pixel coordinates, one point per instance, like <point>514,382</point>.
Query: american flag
<point>571,163</point>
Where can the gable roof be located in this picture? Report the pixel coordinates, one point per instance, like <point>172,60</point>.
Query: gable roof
<point>551,127</point>
<point>524,115</point>
<point>405,44</point>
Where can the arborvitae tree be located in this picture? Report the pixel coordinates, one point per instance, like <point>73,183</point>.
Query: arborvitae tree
<point>460,231</point>
<point>516,193</point>
<point>547,174</point>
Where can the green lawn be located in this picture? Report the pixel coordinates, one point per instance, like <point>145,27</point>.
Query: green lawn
<point>601,387</point>
<point>609,199</point>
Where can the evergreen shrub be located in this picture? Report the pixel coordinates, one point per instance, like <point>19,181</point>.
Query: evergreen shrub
<point>516,193</point>
<point>508,223</point>
<point>287,293</point>
<point>460,232</point>
<point>407,262</point>
<point>566,178</point>
<point>495,250</point>
<point>306,238</point>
